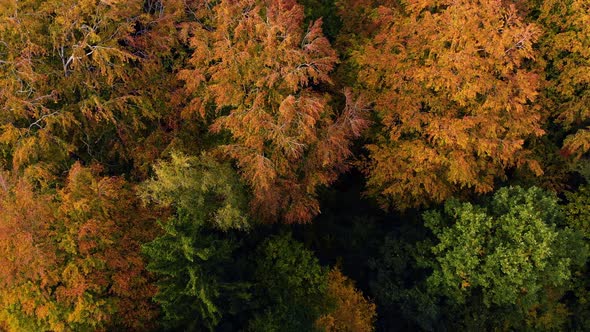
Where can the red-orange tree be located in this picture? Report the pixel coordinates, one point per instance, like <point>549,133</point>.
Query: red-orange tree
<point>353,312</point>
<point>452,91</point>
<point>70,260</point>
<point>26,257</point>
<point>256,68</point>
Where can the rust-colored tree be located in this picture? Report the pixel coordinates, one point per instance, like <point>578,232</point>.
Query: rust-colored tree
<point>255,71</point>
<point>452,91</point>
<point>353,313</point>
<point>27,258</point>
<point>71,261</point>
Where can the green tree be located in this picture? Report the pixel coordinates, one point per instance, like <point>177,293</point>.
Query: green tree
<point>205,190</point>
<point>513,252</point>
<point>577,211</point>
<point>195,271</point>
<point>291,287</point>
<point>193,259</point>
<point>398,281</point>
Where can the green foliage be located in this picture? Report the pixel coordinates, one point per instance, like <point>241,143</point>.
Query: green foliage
<point>291,285</point>
<point>207,192</point>
<point>195,281</point>
<point>398,280</point>
<point>510,251</point>
<point>577,211</point>
<point>507,263</point>
<point>196,258</point>
<point>195,286</point>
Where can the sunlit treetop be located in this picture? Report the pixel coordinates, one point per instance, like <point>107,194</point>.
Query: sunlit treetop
<point>452,89</point>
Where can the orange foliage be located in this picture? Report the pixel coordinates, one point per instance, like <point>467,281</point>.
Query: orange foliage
<point>353,312</point>
<point>453,93</point>
<point>257,68</point>
<point>25,226</point>
<point>81,64</point>
<point>72,260</point>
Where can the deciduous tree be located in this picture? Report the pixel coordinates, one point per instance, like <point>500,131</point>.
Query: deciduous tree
<point>257,68</point>
<point>193,258</point>
<point>566,49</point>
<point>292,287</point>
<point>72,257</point>
<point>73,80</point>
<point>514,252</point>
<point>353,313</point>
<point>27,256</point>
<point>452,90</point>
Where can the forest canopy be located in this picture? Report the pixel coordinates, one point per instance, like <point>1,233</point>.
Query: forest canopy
<point>294,165</point>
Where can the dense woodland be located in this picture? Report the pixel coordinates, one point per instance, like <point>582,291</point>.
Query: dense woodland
<point>294,165</point>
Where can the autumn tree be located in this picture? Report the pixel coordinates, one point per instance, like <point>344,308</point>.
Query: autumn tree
<point>254,72</point>
<point>103,229</point>
<point>353,313</point>
<point>565,48</point>
<point>326,11</point>
<point>357,21</point>
<point>562,60</point>
<point>27,258</point>
<point>452,91</point>
<point>72,258</point>
<point>73,81</point>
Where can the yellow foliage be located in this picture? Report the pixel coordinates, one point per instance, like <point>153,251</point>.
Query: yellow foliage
<point>565,47</point>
